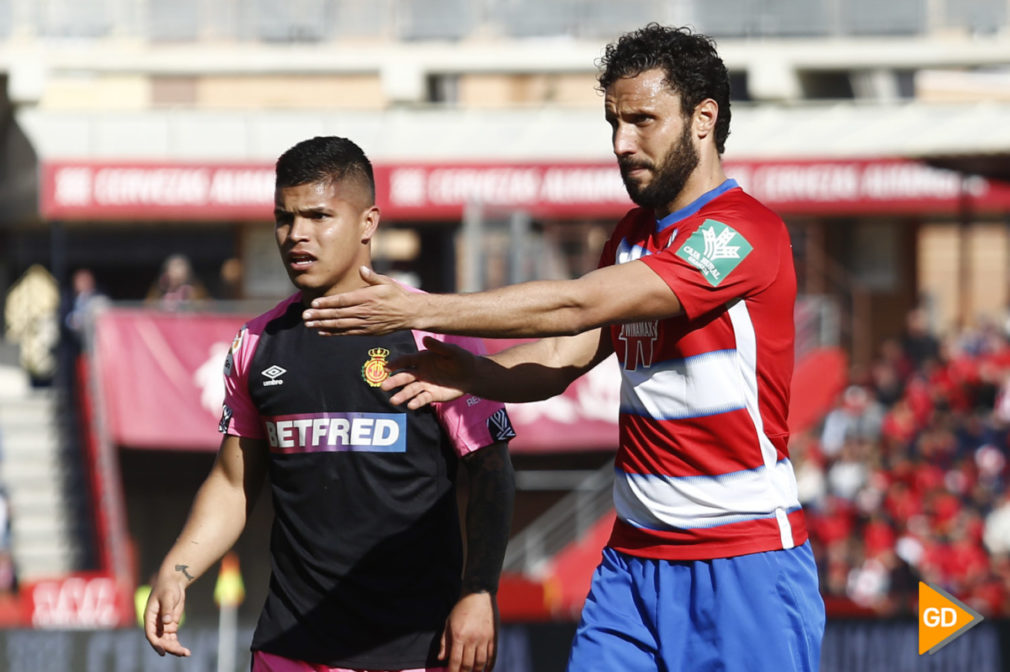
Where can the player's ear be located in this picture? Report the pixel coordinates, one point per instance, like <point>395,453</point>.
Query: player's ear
<point>705,115</point>
<point>369,223</point>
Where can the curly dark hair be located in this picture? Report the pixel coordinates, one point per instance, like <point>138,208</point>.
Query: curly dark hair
<point>322,159</point>
<point>692,66</point>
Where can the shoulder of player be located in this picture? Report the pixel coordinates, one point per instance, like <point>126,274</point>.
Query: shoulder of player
<point>471,343</point>
<point>259,323</point>
<point>248,336</point>
<point>636,217</point>
<point>744,213</point>
<point>636,225</point>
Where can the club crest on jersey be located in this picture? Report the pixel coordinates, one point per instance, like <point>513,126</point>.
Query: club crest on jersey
<point>237,341</point>
<point>715,249</point>
<point>500,426</point>
<point>374,371</point>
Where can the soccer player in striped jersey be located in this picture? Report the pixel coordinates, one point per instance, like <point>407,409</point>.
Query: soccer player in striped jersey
<point>708,566</point>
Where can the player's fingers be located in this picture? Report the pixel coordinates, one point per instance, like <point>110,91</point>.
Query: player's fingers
<point>420,400</point>
<point>414,395</point>
<point>153,625</point>
<point>442,643</point>
<point>403,363</point>
<point>439,347</point>
<point>479,658</point>
<point>483,659</point>
<point>489,656</point>
<point>456,658</point>
<point>335,326</point>
<point>170,644</point>
<point>170,635</point>
<point>373,278</point>
<point>468,659</point>
<point>398,379</point>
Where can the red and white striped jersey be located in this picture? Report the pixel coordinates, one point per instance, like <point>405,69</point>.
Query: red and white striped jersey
<point>703,467</point>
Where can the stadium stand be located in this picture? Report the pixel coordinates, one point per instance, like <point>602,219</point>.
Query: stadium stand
<point>905,479</point>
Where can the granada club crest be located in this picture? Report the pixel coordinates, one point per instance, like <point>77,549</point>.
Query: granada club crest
<point>374,371</point>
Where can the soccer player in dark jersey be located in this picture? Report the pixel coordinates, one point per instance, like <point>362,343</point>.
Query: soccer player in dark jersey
<point>366,548</point>
<point>708,566</point>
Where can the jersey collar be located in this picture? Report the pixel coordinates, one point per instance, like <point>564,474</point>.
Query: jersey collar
<point>695,205</point>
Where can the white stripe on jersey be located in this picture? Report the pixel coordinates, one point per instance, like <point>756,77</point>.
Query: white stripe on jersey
<point>693,387</point>
<point>686,502</point>
<point>746,348</point>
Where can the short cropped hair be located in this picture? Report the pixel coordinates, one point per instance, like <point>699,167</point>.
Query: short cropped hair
<point>325,159</point>
<point>689,60</point>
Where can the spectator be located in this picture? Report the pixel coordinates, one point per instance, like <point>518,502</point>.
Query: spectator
<point>87,301</point>
<point>849,473</point>
<point>808,461</point>
<point>918,342</point>
<point>860,417</point>
<point>31,313</point>
<point>996,536</point>
<point>230,285</point>
<point>177,286</point>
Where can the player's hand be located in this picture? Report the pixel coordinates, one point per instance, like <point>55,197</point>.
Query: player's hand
<point>381,307</point>
<point>162,616</point>
<point>469,641</point>
<point>441,373</point>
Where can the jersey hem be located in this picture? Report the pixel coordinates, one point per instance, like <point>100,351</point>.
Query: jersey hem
<point>640,543</point>
<point>359,664</point>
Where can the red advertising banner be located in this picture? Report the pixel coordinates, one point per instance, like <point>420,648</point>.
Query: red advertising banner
<point>416,191</point>
<point>207,191</point>
<point>162,387</point>
<point>153,191</point>
<point>77,601</point>
<point>545,190</point>
<point>866,186</point>
<point>161,376</point>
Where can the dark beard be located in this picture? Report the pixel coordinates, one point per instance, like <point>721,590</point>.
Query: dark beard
<point>668,180</point>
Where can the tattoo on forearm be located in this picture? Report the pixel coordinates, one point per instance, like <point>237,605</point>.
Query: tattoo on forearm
<point>184,569</point>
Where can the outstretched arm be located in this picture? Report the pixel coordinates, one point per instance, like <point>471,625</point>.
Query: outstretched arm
<point>621,293</point>
<point>527,372</point>
<point>470,638</point>
<point>215,522</point>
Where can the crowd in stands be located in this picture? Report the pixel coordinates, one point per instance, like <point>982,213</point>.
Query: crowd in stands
<point>906,478</point>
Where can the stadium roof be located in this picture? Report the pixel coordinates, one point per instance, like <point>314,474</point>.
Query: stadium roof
<point>969,138</point>
<point>971,134</point>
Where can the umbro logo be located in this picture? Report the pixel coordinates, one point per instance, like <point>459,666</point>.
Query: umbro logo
<point>273,373</point>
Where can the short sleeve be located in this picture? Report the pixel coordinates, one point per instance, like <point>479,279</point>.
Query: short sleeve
<point>715,262</point>
<point>238,415</point>
<point>470,422</point>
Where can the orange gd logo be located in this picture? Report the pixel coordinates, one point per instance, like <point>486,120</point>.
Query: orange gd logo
<point>942,618</point>
<point>374,371</point>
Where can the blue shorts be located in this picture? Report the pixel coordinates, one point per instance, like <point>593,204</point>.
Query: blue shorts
<point>753,613</point>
